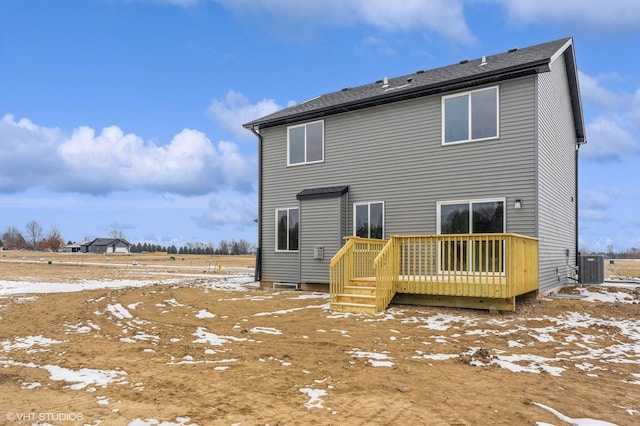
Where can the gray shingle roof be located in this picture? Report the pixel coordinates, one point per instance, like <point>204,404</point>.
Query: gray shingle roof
<point>511,64</point>
<point>326,192</point>
<point>105,242</point>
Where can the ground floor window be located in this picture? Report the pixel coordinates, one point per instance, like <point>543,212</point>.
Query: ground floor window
<point>472,217</point>
<point>287,227</point>
<point>368,220</point>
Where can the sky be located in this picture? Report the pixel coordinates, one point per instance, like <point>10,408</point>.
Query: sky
<point>127,114</point>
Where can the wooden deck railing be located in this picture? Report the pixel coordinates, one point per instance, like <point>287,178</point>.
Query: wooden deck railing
<point>353,260</point>
<point>387,268</point>
<point>475,265</point>
<point>494,266</point>
<point>491,266</point>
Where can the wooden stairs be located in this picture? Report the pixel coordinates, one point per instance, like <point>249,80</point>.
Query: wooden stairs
<point>358,297</point>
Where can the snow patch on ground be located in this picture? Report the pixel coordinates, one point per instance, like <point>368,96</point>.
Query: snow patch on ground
<point>203,313</point>
<point>180,421</point>
<point>119,311</point>
<point>203,336</point>
<point>315,397</point>
<point>265,330</point>
<point>27,343</point>
<point>240,282</point>
<point>288,311</point>
<point>572,421</point>
<point>376,359</point>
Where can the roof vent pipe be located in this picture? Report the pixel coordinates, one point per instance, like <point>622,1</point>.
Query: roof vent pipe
<point>484,61</point>
<point>385,82</point>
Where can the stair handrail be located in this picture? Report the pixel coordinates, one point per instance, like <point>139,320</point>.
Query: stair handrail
<point>340,270</point>
<point>353,260</point>
<point>385,266</point>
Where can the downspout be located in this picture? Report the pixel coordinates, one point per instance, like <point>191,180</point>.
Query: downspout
<point>577,198</point>
<point>258,270</point>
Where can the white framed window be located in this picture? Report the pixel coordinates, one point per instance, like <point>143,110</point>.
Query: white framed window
<point>287,229</point>
<point>305,143</point>
<point>472,217</point>
<point>470,116</point>
<point>368,220</point>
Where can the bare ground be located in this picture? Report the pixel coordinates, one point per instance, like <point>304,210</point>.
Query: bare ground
<point>185,351</point>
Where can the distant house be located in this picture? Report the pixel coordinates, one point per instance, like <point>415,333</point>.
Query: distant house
<point>106,245</point>
<point>454,186</point>
<point>72,248</point>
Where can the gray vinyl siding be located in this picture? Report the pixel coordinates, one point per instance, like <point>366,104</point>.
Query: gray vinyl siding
<point>394,153</point>
<point>557,178</point>
<point>277,193</point>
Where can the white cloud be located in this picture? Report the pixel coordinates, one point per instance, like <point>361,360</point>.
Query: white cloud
<point>608,141</point>
<point>444,17</point>
<point>28,152</point>
<point>611,15</point>
<point>235,110</point>
<point>600,198</point>
<point>611,135</point>
<point>229,210</point>
<point>592,91</point>
<point>98,163</point>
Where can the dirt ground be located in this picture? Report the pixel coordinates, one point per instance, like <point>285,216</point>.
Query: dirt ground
<point>195,347</point>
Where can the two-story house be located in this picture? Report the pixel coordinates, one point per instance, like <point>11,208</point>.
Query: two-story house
<point>457,186</point>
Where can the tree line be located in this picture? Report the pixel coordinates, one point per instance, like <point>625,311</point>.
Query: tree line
<point>610,253</point>
<point>232,247</point>
<point>34,238</point>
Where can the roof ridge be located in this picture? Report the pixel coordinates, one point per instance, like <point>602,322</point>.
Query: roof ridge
<point>507,64</point>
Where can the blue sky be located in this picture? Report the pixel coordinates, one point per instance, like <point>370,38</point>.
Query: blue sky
<point>127,114</point>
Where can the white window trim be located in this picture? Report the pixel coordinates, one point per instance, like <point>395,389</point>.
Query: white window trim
<point>287,209</point>
<point>289,164</point>
<point>368,203</point>
<point>470,202</point>
<point>468,94</point>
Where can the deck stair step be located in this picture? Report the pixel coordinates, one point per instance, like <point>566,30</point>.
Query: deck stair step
<point>363,282</point>
<point>360,308</point>
<point>360,289</point>
<point>357,298</point>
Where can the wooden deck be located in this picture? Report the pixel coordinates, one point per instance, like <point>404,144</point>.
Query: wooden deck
<point>467,270</point>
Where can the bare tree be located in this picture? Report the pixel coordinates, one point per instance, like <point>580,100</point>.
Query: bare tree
<point>241,246</point>
<point>224,247</point>
<point>34,233</point>
<point>53,241</point>
<point>12,239</point>
<point>117,233</point>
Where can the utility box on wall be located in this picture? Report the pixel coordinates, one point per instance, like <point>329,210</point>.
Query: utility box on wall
<point>318,252</point>
<point>591,269</point>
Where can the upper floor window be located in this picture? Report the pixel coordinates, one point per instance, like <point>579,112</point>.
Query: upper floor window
<point>287,227</point>
<point>368,220</point>
<point>305,143</point>
<point>470,116</point>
